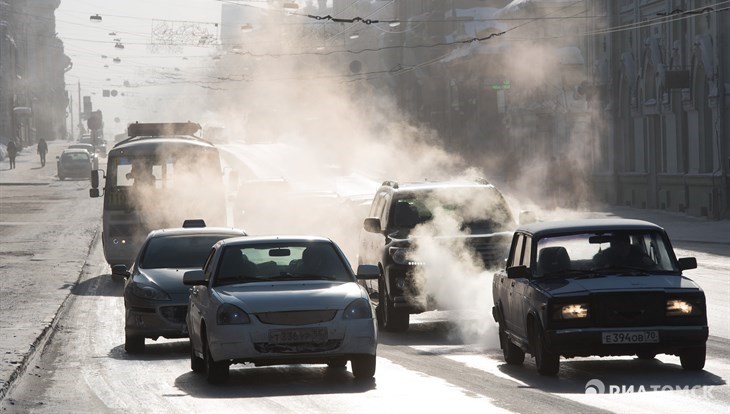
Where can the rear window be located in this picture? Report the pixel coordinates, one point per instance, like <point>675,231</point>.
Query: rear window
<point>183,251</point>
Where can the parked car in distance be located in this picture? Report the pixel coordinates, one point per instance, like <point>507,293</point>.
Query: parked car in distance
<point>155,299</point>
<point>597,287</point>
<point>278,300</point>
<point>74,163</point>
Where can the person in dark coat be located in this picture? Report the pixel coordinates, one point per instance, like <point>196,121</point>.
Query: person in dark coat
<point>42,151</point>
<point>12,153</point>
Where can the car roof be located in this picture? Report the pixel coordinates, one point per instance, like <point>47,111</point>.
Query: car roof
<point>266,239</point>
<point>541,229</point>
<point>182,231</point>
<point>433,185</point>
<point>75,151</point>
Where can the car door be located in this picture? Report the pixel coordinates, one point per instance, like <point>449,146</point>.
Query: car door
<point>510,301</point>
<point>198,296</point>
<point>521,290</point>
<point>372,244</point>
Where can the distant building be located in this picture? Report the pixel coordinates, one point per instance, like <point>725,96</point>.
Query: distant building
<point>32,63</point>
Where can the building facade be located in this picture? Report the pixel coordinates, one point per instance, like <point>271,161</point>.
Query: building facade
<point>661,120</point>
<point>33,99</point>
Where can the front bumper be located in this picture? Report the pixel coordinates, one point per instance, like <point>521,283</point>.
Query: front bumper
<point>250,342</point>
<point>588,341</point>
<point>165,320</point>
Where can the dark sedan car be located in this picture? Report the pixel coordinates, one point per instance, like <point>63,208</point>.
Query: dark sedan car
<point>155,299</point>
<point>74,163</point>
<point>598,287</point>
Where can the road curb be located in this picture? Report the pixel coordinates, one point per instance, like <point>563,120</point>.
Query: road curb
<point>47,333</point>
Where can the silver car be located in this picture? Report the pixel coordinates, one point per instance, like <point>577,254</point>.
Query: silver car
<point>155,299</point>
<point>278,301</point>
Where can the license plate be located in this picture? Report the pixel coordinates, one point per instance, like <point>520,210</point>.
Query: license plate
<point>631,337</point>
<point>303,335</point>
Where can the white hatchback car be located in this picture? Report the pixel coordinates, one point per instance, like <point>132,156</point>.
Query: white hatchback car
<point>280,300</point>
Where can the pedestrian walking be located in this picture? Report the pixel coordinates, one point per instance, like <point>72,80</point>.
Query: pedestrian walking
<point>42,151</point>
<point>12,153</point>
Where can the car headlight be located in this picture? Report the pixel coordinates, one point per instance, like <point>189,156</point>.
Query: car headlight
<point>402,255</point>
<point>231,315</point>
<point>680,307</point>
<point>358,309</point>
<point>148,292</point>
<point>571,311</point>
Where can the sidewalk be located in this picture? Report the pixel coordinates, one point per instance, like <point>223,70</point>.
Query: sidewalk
<point>46,229</point>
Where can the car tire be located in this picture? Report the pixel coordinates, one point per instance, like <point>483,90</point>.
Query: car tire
<point>216,372</point>
<point>337,363</point>
<point>133,344</point>
<point>393,320</point>
<point>547,363</point>
<point>646,355</point>
<point>363,366</point>
<point>197,364</point>
<point>693,359</point>
<point>513,354</point>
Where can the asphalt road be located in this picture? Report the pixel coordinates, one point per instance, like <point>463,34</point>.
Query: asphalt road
<point>61,337</point>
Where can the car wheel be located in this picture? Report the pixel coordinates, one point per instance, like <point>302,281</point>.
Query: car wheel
<point>134,344</point>
<point>513,354</point>
<point>646,355</point>
<point>337,363</point>
<point>693,359</point>
<point>548,363</point>
<point>363,366</point>
<point>216,372</point>
<point>197,364</point>
<point>393,320</point>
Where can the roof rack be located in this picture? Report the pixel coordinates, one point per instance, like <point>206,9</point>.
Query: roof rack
<point>149,130</point>
<point>389,183</point>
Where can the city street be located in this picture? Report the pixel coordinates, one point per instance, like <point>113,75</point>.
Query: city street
<point>62,342</point>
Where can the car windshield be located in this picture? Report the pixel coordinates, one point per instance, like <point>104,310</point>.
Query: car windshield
<point>479,210</point>
<point>182,251</point>
<point>281,261</point>
<point>602,253</point>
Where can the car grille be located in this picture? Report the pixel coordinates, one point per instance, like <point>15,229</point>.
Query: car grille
<point>266,347</point>
<point>493,249</point>
<point>629,309</point>
<point>296,317</point>
<point>174,314</point>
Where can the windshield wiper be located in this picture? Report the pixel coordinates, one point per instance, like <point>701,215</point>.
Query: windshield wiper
<point>622,270</point>
<point>568,272</point>
<point>301,276</point>
<point>235,280</point>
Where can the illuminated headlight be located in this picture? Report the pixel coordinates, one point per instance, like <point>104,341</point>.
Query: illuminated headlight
<point>402,255</point>
<point>231,315</point>
<point>571,311</point>
<point>117,241</point>
<point>679,307</point>
<point>358,309</point>
<point>148,292</point>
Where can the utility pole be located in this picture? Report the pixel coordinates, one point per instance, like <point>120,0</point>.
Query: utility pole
<point>81,125</point>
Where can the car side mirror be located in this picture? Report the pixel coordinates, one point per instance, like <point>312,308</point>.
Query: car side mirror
<point>194,278</point>
<point>372,225</point>
<point>686,263</point>
<point>518,272</point>
<point>368,272</point>
<point>94,178</point>
<point>527,217</point>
